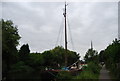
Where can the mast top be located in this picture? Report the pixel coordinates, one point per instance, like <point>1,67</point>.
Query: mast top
<point>64,13</point>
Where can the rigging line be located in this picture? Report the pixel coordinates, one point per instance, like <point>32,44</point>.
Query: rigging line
<point>74,63</point>
<point>70,34</point>
<point>60,29</point>
<point>61,37</point>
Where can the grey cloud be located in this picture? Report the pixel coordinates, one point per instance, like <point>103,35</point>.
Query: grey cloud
<point>39,23</point>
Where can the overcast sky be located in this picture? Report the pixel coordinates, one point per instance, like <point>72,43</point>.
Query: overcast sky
<point>39,23</point>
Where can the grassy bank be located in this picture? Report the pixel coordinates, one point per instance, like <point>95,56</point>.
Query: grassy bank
<point>90,72</point>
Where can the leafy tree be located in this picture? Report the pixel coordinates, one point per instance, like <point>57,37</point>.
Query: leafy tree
<point>90,72</point>
<point>91,55</point>
<point>102,56</point>
<point>112,57</point>
<point>72,57</point>
<point>24,52</point>
<point>36,60</point>
<point>20,71</point>
<point>48,56</point>
<point>57,56</point>
<point>10,39</point>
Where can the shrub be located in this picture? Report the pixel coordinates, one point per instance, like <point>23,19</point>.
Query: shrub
<point>95,68</point>
<point>20,67</point>
<point>20,71</point>
<point>91,72</point>
<point>64,75</point>
<point>86,75</point>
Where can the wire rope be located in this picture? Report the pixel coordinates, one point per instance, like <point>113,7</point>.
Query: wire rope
<point>70,34</point>
<point>59,33</point>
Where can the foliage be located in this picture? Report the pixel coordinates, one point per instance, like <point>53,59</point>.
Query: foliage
<point>91,55</point>
<point>112,58</point>
<point>10,39</point>
<point>36,60</point>
<point>86,75</point>
<point>91,72</point>
<point>64,76</point>
<point>23,52</point>
<point>101,56</point>
<point>57,55</point>
<point>20,67</point>
<point>20,71</point>
<point>95,68</point>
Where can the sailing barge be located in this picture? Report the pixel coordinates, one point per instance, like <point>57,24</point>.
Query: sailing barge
<point>75,66</point>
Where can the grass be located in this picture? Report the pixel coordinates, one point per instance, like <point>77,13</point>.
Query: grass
<point>91,72</point>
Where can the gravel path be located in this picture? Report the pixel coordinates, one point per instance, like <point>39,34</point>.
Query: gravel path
<point>104,74</point>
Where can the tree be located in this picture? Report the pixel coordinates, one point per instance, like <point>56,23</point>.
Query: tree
<point>112,55</point>
<point>23,52</point>
<point>10,38</point>
<point>35,60</point>
<point>102,56</point>
<point>57,56</point>
<point>91,55</point>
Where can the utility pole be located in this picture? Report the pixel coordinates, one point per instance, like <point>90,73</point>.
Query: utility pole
<point>65,36</point>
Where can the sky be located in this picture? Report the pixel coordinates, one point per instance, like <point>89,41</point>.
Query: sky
<point>39,24</point>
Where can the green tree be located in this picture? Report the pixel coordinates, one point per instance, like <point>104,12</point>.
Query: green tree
<point>57,56</point>
<point>10,39</point>
<point>36,61</point>
<point>91,55</point>
<point>112,57</point>
<point>24,52</point>
<point>102,56</point>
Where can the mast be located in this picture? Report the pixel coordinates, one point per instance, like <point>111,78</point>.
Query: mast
<point>65,36</point>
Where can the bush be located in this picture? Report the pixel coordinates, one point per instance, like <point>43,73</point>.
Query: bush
<point>95,68</point>
<point>86,75</point>
<point>64,75</point>
<point>91,72</point>
<point>20,67</point>
<point>20,71</point>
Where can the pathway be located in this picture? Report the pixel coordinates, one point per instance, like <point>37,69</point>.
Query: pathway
<point>104,74</point>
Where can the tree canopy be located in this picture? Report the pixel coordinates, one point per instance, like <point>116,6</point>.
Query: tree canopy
<point>23,52</point>
<point>57,56</point>
<point>10,39</point>
<point>91,55</point>
<point>112,57</point>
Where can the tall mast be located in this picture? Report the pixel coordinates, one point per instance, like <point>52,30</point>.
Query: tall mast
<point>65,35</point>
